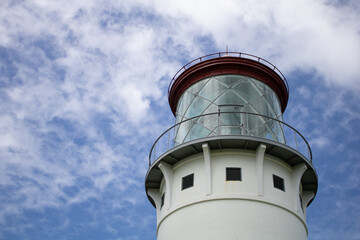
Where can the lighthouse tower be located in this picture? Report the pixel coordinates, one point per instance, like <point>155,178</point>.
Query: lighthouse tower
<point>230,168</point>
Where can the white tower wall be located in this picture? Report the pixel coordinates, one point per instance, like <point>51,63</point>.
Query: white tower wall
<point>230,168</point>
<point>231,219</point>
<point>214,208</point>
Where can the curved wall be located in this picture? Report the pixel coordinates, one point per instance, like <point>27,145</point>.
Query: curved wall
<point>214,208</point>
<point>231,220</point>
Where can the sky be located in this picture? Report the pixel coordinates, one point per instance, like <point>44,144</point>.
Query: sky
<point>83,96</point>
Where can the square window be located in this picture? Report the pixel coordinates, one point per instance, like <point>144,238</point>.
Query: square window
<point>279,183</point>
<point>187,181</point>
<point>233,174</point>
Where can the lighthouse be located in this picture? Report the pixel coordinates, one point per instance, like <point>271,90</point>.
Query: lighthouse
<point>230,167</point>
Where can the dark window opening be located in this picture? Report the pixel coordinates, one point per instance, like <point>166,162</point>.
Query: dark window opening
<point>279,183</point>
<point>187,181</point>
<point>233,174</point>
<point>162,200</point>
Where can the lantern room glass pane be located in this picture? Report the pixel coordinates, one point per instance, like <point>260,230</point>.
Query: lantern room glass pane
<point>230,97</point>
<point>212,108</point>
<point>230,80</point>
<point>182,131</point>
<point>212,93</point>
<point>230,130</point>
<point>208,121</point>
<point>196,132</point>
<point>197,107</point>
<point>184,102</point>
<point>247,89</point>
<point>212,89</point>
<point>196,87</point>
<point>262,106</point>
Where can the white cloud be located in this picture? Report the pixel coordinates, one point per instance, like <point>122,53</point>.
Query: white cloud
<point>297,34</point>
<point>304,91</point>
<point>102,69</point>
<point>319,142</point>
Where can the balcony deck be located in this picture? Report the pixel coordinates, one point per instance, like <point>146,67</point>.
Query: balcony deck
<point>292,147</point>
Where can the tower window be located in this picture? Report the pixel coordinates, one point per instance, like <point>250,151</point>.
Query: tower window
<point>187,181</point>
<point>233,174</point>
<point>278,182</point>
<point>162,200</point>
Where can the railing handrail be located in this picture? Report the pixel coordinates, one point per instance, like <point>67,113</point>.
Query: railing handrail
<point>227,112</point>
<point>232,54</point>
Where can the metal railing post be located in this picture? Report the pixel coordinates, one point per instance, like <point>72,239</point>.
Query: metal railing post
<point>297,148</point>
<point>168,142</point>
<point>219,131</point>
<point>154,152</point>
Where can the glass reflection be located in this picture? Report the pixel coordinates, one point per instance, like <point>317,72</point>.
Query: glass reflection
<point>231,97</point>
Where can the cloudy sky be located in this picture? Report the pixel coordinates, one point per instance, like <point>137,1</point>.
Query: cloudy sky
<point>83,96</point>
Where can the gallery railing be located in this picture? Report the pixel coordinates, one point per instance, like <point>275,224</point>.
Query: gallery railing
<point>230,124</point>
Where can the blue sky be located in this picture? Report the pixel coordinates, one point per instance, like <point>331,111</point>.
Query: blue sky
<point>83,96</point>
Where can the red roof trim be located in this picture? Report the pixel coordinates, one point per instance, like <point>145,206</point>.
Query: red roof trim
<point>228,65</point>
